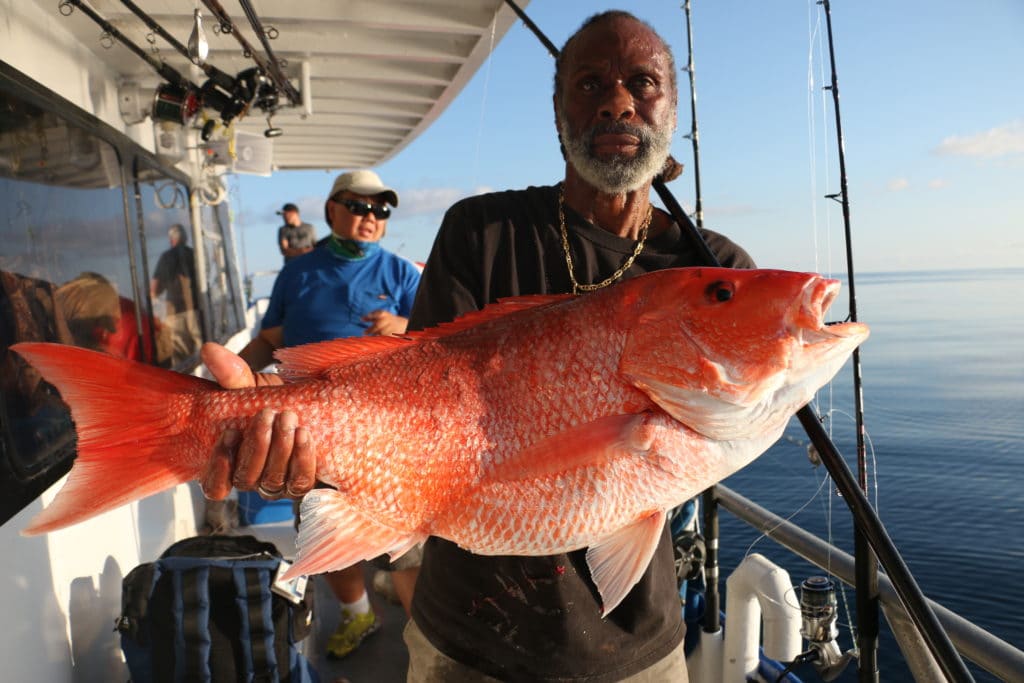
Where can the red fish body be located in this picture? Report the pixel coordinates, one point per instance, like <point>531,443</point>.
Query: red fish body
<point>539,425</point>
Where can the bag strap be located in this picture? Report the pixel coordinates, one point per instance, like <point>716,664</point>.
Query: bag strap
<point>255,602</point>
<point>191,612</point>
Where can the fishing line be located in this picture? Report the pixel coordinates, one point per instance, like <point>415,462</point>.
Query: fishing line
<point>873,470</point>
<point>812,144</point>
<point>766,532</point>
<point>814,91</point>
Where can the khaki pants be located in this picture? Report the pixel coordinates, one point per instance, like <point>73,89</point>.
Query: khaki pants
<point>427,664</point>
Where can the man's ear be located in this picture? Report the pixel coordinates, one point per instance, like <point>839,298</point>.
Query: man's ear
<point>558,129</point>
<point>554,111</point>
<point>327,214</point>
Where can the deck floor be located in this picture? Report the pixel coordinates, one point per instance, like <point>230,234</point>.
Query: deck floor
<point>381,658</point>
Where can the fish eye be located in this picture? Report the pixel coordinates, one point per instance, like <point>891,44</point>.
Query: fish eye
<point>720,291</point>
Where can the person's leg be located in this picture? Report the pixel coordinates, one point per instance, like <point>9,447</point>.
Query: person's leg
<point>357,617</point>
<point>402,574</point>
<point>669,669</point>
<point>347,584</point>
<point>404,581</point>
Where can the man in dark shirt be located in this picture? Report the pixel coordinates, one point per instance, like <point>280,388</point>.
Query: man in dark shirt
<point>477,618</point>
<point>295,238</point>
<point>175,279</point>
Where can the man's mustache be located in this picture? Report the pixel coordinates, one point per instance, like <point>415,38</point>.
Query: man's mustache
<point>617,128</point>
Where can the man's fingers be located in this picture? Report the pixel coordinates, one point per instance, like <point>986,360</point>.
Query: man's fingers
<point>252,453</point>
<point>302,467</point>
<point>230,371</point>
<point>216,477</point>
<point>275,470</point>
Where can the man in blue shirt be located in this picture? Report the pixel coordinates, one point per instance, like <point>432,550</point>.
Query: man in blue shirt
<point>347,286</point>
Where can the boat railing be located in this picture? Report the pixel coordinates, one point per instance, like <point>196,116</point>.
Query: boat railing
<point>249,283</point>
<point>989,652</point>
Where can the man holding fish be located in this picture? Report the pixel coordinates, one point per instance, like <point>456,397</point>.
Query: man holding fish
<point>482,617</point>
<point>498,617</point>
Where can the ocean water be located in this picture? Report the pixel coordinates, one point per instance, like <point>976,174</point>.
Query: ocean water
<point>943,386</point>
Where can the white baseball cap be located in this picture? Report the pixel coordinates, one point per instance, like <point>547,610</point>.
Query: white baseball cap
<point>363,182</point>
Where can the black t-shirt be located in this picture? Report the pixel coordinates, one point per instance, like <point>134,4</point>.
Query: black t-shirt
<point>539,618</point>
<point>175,273</point>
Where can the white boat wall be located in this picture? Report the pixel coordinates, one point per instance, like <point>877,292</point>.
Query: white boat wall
<point>101,152</point>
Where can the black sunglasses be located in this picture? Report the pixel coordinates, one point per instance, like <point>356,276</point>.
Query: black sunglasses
<point>380,211</point>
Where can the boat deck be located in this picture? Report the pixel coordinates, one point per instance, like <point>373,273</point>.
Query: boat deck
<point>382,658</point>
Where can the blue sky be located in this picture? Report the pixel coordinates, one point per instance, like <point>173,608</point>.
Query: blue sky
<point>932,104</point>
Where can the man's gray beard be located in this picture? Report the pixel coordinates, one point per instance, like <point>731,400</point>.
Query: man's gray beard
<point>617,175</point>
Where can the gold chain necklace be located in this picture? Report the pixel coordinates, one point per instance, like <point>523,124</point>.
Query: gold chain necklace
<point>576,286</point>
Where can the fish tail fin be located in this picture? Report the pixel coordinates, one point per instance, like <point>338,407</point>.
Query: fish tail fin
<point>129,418</point>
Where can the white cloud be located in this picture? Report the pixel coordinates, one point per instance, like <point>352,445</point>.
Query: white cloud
<point>937,183</point>
<point>994,142</point>
<point>429,200</point>
<point>725,210</point>
<point>897,184</point>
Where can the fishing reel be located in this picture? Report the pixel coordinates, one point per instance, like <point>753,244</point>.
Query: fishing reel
<point>233,97</point>
<point>818,612</point>
<point>688,552</point>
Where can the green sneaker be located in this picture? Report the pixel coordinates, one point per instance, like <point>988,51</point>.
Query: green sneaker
<point>353,630</point>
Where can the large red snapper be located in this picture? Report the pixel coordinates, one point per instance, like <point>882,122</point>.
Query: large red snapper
<point>537,426</point>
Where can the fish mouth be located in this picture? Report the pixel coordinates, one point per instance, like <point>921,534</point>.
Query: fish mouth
<point>808,324</point>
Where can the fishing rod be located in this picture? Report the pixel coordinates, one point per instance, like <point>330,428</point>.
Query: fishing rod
<point>694,136</point>
<point>216,75</point>
<point>181,99</point>
<point>863,514</point>
<point>866,567</point>
<point>272,69</point>
<point>230,96</point>
<point>161,67</point>
<point>257,27</point>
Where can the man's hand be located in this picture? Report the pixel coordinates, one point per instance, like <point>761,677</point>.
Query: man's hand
<point>292,252</point>
<point>271,455</point>
<point>385,323</point>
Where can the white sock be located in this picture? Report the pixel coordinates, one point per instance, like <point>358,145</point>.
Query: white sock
<point>360,606</point>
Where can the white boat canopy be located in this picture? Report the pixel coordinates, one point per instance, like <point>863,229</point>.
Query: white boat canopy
<point>369,75</point>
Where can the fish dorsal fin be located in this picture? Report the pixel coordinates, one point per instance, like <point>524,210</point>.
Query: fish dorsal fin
<point>498,309</point>
<point>310,361</point>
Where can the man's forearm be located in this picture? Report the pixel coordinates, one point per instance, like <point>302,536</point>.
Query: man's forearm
<point>258,354</point>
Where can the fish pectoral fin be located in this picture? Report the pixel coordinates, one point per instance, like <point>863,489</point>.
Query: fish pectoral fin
<point>618,562</point>
<point>587,445</point>
<point>334,534</point>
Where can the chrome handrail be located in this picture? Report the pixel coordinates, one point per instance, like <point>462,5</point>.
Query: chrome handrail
<point>986,650</point>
